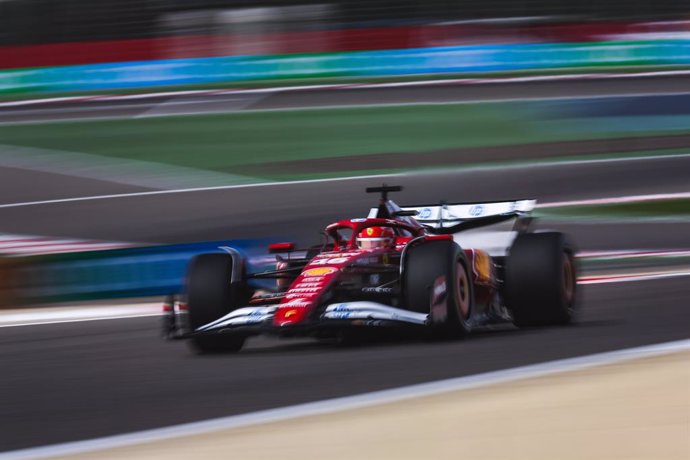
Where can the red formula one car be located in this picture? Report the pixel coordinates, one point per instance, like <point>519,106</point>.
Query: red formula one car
<point>445,269</point>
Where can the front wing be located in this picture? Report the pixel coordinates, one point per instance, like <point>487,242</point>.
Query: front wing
<point>259,319</point>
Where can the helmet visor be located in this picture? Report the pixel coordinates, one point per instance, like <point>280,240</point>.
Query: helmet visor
<point>373,243</point>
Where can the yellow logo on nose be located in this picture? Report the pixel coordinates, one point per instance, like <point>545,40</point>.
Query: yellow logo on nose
<point>370,231</point>
<point>320,271</point>
<point>290,313</point>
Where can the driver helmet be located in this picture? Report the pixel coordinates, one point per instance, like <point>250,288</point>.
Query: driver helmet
<point>375,238</point>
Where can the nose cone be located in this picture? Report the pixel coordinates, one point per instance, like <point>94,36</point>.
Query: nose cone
<point>287,316</point>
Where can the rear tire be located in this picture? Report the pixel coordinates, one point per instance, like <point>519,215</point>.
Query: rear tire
<point>210,295</point>
<point>541,280</point>
<point>425,265</point>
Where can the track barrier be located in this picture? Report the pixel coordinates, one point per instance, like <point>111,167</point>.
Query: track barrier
<point>378,63</point>
<point>107,274</point>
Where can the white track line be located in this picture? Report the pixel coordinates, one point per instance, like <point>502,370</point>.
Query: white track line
<point>173,103</point>
<point>631,277</point>
<point>620,199</point>
<point>349,403</point>
<point>100,118</point>
<point>58,315</point>
<point>346,86</point>
<point>25,245</point>
<point>375,105</point>
<point>48,100</point>
<point>198,189</point>
<point>525,165</point>
<point>633,254</point>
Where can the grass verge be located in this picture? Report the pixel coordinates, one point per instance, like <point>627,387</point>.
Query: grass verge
<point>223,142</point>
<point>662,208</point>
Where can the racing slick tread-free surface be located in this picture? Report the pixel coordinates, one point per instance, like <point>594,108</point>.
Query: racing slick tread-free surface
<point>536,289</point>
<point>210,295</point>
<point>424,264</point>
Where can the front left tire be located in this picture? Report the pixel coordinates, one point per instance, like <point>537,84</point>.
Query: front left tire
<point>211,295</point>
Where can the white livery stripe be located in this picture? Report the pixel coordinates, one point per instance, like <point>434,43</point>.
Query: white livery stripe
<point>242,316</point>
<point>372,311</point>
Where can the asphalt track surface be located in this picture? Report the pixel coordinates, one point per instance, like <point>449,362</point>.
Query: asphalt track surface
<point>82,380</point>
<point>76,381</point>
<point>300,211</point>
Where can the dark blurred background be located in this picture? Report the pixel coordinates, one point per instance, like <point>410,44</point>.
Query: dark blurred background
<point>47,32</point>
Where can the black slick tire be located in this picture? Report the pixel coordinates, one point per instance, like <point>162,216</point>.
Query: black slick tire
<point>210,295</point>
<point>540,280</point>
<point>425,264</point>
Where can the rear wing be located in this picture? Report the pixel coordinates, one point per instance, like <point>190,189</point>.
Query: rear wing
<point>452,218</point>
